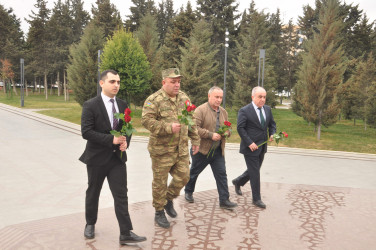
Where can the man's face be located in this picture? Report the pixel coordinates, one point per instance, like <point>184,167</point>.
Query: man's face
<point>111,85</point>
<point>259,98</point>
<point>171,86</point>
<point>215,98</point>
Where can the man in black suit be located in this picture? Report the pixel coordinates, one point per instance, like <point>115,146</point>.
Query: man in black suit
<point>254,121</point>
<point>102,156</point>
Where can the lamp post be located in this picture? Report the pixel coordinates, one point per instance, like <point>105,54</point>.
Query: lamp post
<point>224,78</point>
<point>99,89</point>
<point>22,81</point>
<point>262,57</point>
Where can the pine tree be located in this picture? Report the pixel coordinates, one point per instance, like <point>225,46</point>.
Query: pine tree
<point>141,8</point>
<point>180,30</point>
<point>11,39</point>
<point>253,37</point>
<point>83,63</point>
<point>198,65</point>
<point>322,70</point>
<point>39,42</point>
<point>80,19</point>
<point>147,36</point>
<point>165,15</point>
<point>107,16</point>
<point>124,54</point>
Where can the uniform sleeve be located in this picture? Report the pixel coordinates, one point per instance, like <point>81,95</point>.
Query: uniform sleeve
<point>193,133</point>
<point>149,119</point>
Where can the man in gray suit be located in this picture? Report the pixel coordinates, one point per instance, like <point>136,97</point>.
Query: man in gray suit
<point>255,120</point>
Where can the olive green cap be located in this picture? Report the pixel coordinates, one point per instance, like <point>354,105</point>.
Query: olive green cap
<point>171,73</point>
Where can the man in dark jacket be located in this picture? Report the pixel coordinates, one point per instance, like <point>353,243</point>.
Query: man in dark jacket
<point>103,157</point>
<point>255,120</point>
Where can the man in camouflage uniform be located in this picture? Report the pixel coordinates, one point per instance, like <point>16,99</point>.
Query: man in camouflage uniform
<point>168,143</point>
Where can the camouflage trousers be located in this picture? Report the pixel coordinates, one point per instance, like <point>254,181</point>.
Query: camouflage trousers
<point>162,165</point>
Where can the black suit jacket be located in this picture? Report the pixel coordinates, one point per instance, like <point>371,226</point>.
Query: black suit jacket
<point>250,129</point>
<point>95,128</point>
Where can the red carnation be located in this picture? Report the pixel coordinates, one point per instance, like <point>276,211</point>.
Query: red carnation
<point>285,134</point>
<point>193,107</point>
<point>227,123</point>
<point>187,103</point>
<point>127,111</point>
<point>189,108</point>
<point>127,118</point>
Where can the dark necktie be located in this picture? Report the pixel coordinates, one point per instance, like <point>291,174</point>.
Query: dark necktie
<point>262,119</point>
<point>115,121</point>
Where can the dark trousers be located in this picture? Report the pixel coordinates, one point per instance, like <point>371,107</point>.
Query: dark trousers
<point>116,174</point>
<point>218,166</point>
<point>252,174</point>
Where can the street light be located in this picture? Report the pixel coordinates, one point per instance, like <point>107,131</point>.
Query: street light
<point>224,78</point>
<point>22,81</point>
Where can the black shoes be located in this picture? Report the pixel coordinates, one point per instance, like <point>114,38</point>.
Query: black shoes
<point>161,219</point>
<point>237,187</point>
<point>259,204</point>
<point>132,238</point>
<point>189,198</point>
<point>228,204</point>
<point>170,209</point>
<point>89,231</point>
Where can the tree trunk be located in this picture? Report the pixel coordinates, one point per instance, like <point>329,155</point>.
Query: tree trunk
<point>319,126</point>
<point>35,84</point>
<point>45,85</point>
<point>52,84</point>
<point>27,92</point>
<point>14,86</point>
<point>65,86</point>
<point>58,83</point>
<point>354,121</point>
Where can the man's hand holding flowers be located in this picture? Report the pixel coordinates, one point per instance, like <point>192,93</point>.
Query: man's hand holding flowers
<point>126,130</point>
<point>225,131</point>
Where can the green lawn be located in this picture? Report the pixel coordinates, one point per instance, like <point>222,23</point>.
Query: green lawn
<point>342,136</point>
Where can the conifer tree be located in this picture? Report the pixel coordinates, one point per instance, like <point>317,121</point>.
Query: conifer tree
<point>80,19</point>
<point>198,65</point>
<point>39,42</point>
<point>124,54</point>
<point>106,15</point>
<point>253,37</point>
<point>165,15</point>
<point>83,63</point>
<point>180,30</point>
<point>322,70</point>
<point>141,8</point>
<point>147,36</point>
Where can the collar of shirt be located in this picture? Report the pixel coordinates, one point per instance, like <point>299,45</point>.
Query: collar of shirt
<point>108,105</point>
<point>258,112</point>
<point>218,111</point>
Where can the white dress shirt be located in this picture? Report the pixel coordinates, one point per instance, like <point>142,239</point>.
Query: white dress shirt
<point>108,105</point>
<point>258,112</point>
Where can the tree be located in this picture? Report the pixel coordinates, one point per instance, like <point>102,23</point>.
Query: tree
<point>80,19</point>
<point>83,63</point>
<point>39,42</point>
<point>147,36</point>
<point>254,35</point>
<point>371,104</point>
<point>180,30</point>
<point>198,65</point>
<point>124,54</point>
<point>322,70</point>
<point>165,15</point>
<point>106,15</point>
<point>6,72</point>
<point>11,39</point>
<point>141,8</point>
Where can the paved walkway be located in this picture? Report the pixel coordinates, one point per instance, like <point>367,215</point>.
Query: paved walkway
<point>315,199</point>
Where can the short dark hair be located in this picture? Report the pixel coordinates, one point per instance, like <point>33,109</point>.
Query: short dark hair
<point>104,73</point>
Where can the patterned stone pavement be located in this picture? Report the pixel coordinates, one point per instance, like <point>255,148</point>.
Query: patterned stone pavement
<point>296,217</point>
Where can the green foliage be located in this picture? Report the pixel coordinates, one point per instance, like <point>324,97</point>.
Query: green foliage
<point>124,54</point>
<point>322,70</point>
<point>198,64</point>
<point>370,104</point>
<point>165,15</point>
<point>141,9</point>
<point>83,66</point>
<point>106,15</point>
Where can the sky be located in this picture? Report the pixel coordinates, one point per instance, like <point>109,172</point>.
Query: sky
<point>290,9</point>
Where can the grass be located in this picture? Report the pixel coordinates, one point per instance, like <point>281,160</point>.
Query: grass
<point>342,136</point>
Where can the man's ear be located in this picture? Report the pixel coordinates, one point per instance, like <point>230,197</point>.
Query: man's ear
<point>101,82</point>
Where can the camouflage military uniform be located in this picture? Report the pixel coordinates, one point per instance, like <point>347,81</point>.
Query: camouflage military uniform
<point>168,151</point>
